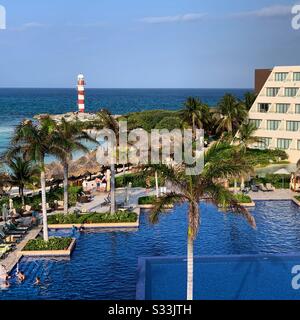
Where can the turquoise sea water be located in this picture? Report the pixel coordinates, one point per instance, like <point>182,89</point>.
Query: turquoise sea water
<point>17,104</point>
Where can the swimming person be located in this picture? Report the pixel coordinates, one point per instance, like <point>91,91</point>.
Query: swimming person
<point>37,281</point>
<point>74,230</point>
<point>81,229</point>
<point>21,276</point>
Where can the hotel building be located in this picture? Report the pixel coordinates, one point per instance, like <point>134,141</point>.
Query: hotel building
<point>276,111</point>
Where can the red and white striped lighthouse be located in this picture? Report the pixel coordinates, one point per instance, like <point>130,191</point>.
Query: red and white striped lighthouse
<point>81,84</point>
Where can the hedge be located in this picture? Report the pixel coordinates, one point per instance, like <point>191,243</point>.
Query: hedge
<point>241,198</point>
<point>90,218</point>
<point>147,200</point>
<point>52,244</point>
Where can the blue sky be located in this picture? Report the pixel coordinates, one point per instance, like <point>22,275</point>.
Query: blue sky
<point>144,43</point>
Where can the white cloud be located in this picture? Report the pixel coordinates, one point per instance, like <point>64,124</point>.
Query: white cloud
<point>267,12</point>
<point>29,25</point>
<point>173,19</point>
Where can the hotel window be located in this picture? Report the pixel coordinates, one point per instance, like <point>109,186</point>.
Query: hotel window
<point>298,144</point>
<point>272,92</point>
<point>291,92</point>
<point>256,122</point>
<point>292,125</point>
<point>296,76</point>
<point>297,108</point>
<point>280,76</point>
<point>282,107</point>
<point>264,143</point>
<point>263,107</point>
<point>284,143</point>
<point>273,124</point>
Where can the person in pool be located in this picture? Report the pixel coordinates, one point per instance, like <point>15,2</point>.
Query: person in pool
<point>21,276</point>
<point>37,281</point>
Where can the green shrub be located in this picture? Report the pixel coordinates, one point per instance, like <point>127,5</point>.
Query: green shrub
<point>52,244</point>
<point>93,218</point>
<point>147,200</point>
<point>169,123</point>
<point>265,157</point>
<point>297,198</point>
<point>137,180</point>
<point>242,198</point>
<point>148,119</point>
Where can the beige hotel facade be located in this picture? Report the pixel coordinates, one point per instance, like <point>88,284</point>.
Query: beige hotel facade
<point>276,111</point>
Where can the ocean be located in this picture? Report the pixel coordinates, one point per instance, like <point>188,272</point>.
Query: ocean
<point>18,104</point>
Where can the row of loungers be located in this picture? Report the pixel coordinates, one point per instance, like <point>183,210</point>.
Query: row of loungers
<point>265,188</point>
<point>10,235</point>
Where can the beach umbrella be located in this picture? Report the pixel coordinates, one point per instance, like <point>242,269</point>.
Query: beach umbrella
<point>282,172</point>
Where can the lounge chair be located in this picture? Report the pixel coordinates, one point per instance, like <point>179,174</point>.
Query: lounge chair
<point>59,205</point>
<point>12,238</point>
<point>254,188</point>
<point>27,211</point>
<point>48,208</point>
<point>107,202</point>
<point>9,230</point>
<point>16,227</point>
<point>263,188</point>
<point>270,187</point>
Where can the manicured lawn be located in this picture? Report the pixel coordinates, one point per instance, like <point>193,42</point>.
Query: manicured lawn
<point>52,244</point>
<point>90,218</point>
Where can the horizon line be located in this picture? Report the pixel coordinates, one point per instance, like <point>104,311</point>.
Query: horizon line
<point>131,88</point>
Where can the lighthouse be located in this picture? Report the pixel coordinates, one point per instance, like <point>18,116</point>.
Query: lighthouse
<point>80,86</point>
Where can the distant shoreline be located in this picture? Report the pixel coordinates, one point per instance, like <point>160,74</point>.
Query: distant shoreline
<point>95,88</point>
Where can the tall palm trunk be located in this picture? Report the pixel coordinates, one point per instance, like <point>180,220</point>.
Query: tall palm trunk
<point>112,190</point>
<point>66,184</point>
<point>21,193</point>
<point>235,186</point>
<point>44,203</point>
<point>156,184</point>
<point>190,269</point>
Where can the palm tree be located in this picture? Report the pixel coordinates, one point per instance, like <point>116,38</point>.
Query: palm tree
<point>230,114</point>
<point>21,173</point>
<point>246,135</point>
<point>195,114</point>
<point>35,141</point>
<point>68,137</point>
<point>221,162</point>
<point>249,99</point>
<point>105,120</point>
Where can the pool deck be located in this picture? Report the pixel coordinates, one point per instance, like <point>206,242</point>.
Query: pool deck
<point>278,194</point>
<point>12,259</point>
<point>95,205</point>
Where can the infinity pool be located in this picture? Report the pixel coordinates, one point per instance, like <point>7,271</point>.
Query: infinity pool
<point>104,263</point>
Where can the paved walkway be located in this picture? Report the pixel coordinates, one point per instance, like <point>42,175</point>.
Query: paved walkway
<point>278,194</point>
<point>95,205</point>
<point>12,259</point>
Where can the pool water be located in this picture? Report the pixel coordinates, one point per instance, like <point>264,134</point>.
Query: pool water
<point>104,263</point>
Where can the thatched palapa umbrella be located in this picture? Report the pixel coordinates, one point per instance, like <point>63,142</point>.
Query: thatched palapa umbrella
<point>84,166</point>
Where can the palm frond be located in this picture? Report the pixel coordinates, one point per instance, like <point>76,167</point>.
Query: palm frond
<point>162,203</point>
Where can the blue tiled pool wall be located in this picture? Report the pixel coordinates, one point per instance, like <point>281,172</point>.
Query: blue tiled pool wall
<point>271,277</point>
